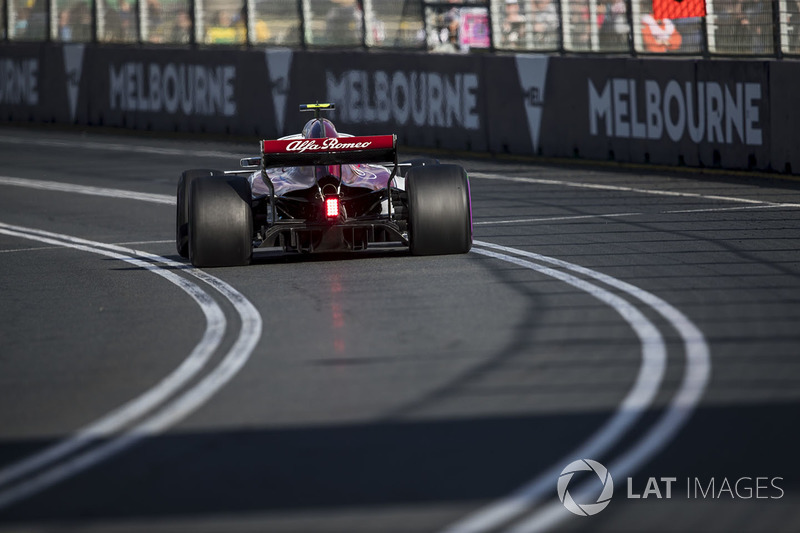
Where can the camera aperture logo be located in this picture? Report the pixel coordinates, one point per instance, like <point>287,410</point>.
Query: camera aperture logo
<point>602,501</point>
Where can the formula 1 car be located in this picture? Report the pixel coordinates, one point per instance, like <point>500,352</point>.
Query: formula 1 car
<point>319,191</point>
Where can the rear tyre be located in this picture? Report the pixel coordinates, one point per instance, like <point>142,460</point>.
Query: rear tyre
<point>182,215</point>
<point>220,221</point>
<point>439,210</point>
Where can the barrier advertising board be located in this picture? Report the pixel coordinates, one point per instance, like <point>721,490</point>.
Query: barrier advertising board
<point>732,114</point>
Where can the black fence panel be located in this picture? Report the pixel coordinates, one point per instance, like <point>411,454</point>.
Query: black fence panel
<point>516,103</point>
<point>691,112</point>
<point>784,79</point>
<point>24,75</point>
<point>738,121</point>
<point>730,114</point>
<point>427,100</point>
<point>214,91</point>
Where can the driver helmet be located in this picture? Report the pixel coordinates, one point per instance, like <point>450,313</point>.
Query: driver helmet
<point>319,128</point>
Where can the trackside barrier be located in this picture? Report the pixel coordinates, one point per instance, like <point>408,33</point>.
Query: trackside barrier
<point>732,114</point>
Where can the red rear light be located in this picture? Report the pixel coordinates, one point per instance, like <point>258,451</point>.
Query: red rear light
<point>332,207</point>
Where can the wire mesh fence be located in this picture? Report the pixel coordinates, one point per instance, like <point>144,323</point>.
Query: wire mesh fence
<point>275,22</point>
<point>27,20</point>
<point>73,21</point>
<point>665,36</point>
<point>393,24</point>
<point>526,25</point>
<point>116,21</point>
<point>458,26</point>
<point>743,27</point>
<point>750,28</point>
<point>789,27</point>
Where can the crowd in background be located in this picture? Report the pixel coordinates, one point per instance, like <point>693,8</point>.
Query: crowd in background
<point>744,27</point>
<point>735,27</point>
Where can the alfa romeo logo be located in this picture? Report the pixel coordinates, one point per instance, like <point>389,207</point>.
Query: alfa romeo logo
<point>585,509</point>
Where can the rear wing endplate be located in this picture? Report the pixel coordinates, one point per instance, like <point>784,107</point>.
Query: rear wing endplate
<point>329,151</point>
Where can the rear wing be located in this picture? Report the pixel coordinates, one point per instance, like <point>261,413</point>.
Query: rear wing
<point>329,151</point>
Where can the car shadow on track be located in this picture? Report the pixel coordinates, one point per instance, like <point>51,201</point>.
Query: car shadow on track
<point>277,255</point>
<point>398,463</point>
<point>272,256</point>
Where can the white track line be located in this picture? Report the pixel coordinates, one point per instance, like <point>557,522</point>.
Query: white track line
<point>638,399</point>
<point>621,215</point>
<point>695,378</point>
<point>553,219</point>
<point>170,199</point>
<point>88,190</point>
<point>117,147</point>
<point>620,188</point>
<point>171,412</point>
<point>216,154</point>
<point>33,249</point>
<point>118,418</point>
<point>738,208</point>
<point>164,241</point>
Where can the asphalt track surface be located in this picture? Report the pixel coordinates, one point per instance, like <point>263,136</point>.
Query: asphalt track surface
<point>646,320</point>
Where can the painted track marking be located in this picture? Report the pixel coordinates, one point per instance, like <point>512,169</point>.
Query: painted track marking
<point>163,241</point>
<point>115,147</point>
<point>620,188</point>
<point>553,219</point>
<point>638,399</point>
<point>696,374</point>
<point>87,190</point>
<point>170,200</point>
<point>623,215</point>
<point>167,414</point>
<point>698,362</point>
<point>32,249</point>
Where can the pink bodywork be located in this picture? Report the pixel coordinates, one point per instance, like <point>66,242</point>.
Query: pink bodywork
<point>374,177</point>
